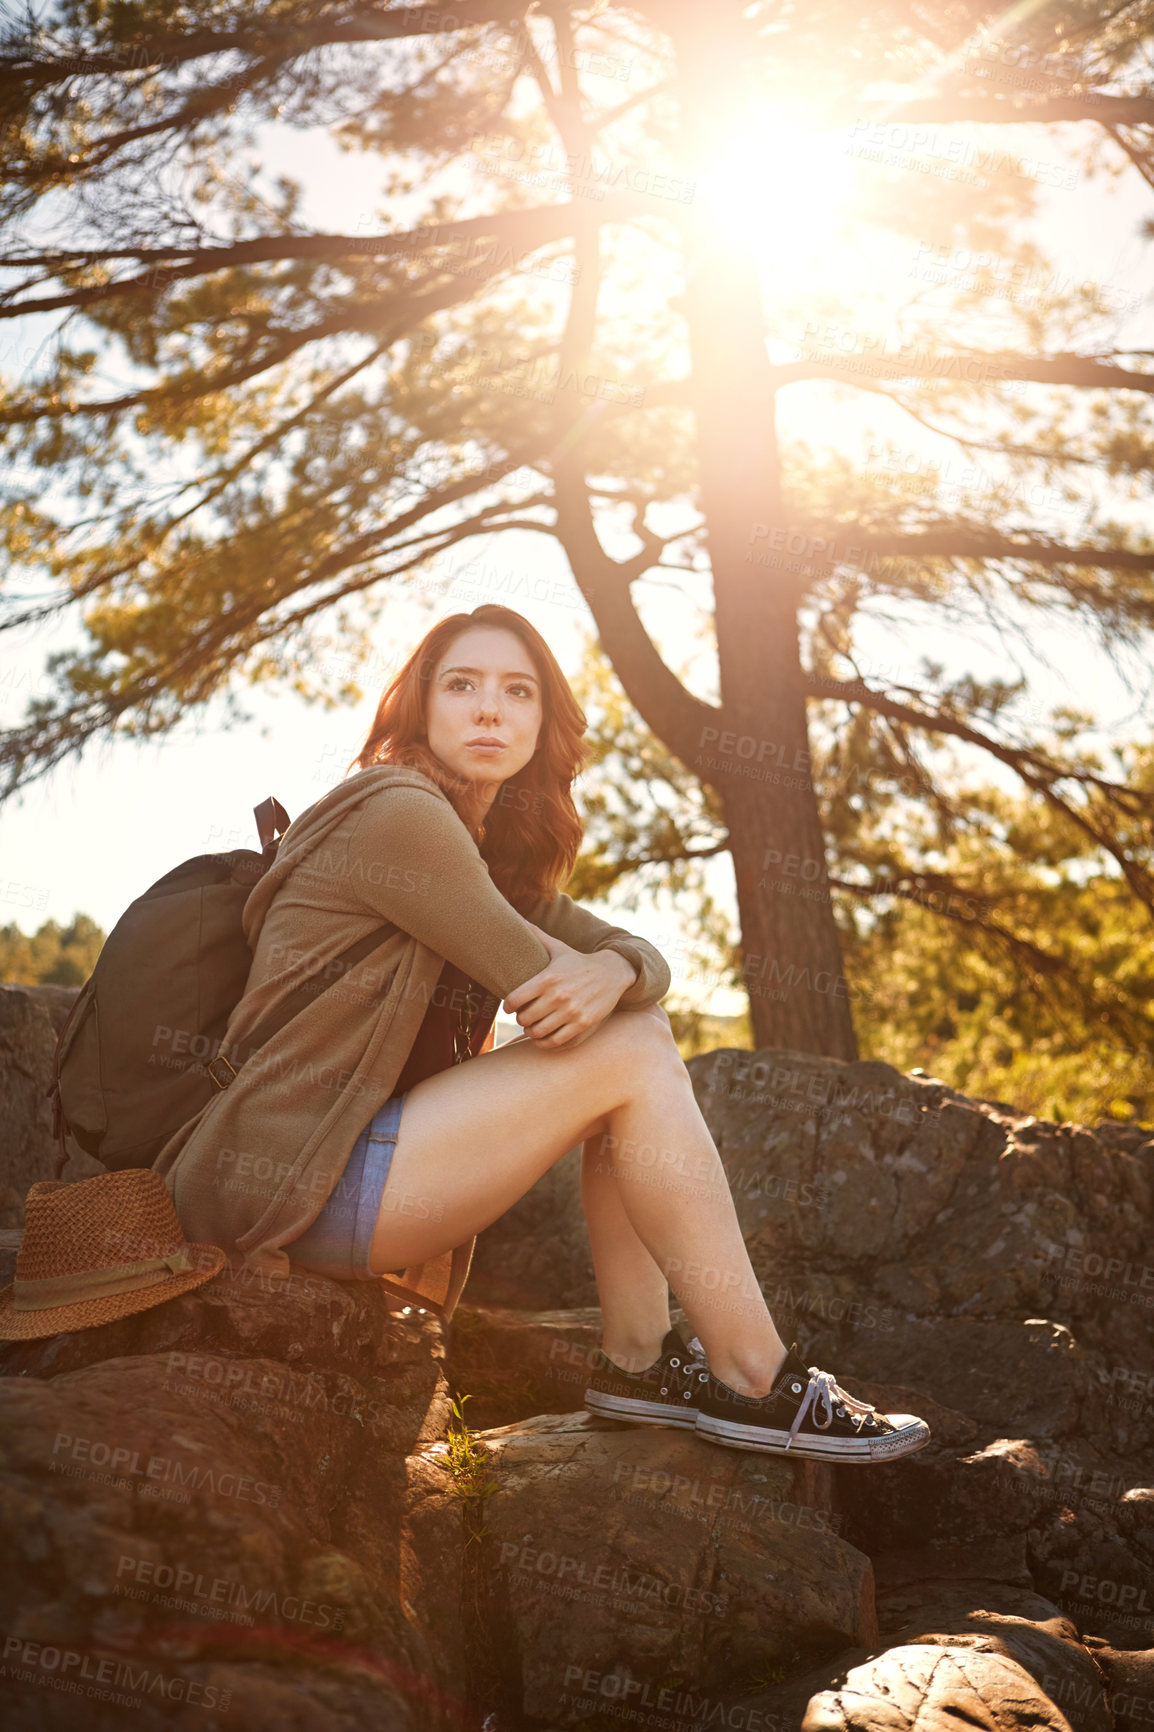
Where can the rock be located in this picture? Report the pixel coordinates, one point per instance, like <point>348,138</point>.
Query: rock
<point>314,1328</point>
<point>1130,1685</point>
<point>950,1206</point>
<point>55,1001</point>
<point>536,1255</point>
<point>240,1482</point>
<point>704,1564</point>
<point>936,1689</point>
<point>518,1363</point>
<point>989,1370</point>
<point>953,1207</point>
<point>996,1619</point>
<point>950,1257</point>
<point>941,1255</point>
<point>30,1020</point>
<point>1101,1574</point>
<point>1002,1558</point>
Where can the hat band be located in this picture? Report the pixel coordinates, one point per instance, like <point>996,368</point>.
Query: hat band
<point>43,1292</point>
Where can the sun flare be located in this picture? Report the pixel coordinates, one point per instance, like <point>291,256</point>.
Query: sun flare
<point>771,183</point>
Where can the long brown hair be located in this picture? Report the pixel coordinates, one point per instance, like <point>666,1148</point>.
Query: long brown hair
<point>532,832</point>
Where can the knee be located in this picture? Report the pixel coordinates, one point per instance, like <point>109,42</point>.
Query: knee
<point>645,1032</point>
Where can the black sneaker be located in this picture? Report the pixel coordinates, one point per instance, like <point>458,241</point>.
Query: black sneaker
<point>665,1393</point>
<point>806,1413</point>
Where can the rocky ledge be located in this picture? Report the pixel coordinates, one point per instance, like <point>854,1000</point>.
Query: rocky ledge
<point>254,1506</point>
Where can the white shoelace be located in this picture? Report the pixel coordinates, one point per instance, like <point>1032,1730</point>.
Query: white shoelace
<point>822,1390</point>
<point>695,1355</point>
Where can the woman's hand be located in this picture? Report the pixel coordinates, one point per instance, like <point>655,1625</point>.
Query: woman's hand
<point>572,995</point>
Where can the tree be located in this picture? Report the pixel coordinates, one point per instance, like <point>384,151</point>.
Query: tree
<point>53,955</point>
<point>348,406</point>
<point>994,947</point>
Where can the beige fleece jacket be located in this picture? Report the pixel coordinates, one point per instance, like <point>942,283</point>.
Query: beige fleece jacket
<point>255,1166</point>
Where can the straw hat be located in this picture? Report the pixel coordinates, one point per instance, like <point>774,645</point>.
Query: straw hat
<point>97,1250</point>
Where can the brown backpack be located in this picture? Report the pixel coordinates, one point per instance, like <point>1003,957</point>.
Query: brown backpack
<point>133,1060</point>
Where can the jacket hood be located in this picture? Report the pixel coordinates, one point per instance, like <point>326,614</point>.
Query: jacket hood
<point>315,822</point>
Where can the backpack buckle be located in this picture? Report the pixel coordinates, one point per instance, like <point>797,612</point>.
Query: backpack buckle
<point>221,1082</point>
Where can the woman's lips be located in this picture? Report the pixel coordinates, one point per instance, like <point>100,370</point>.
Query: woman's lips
<point>484,746</point>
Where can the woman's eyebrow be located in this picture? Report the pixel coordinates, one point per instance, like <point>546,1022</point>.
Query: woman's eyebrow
<point>514,674</point>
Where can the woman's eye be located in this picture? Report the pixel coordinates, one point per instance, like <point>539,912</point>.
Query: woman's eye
<point>458,681</point>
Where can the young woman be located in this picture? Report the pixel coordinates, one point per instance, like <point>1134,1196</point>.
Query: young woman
<point>463,807</point>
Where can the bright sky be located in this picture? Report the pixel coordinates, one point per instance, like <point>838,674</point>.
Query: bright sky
<point>98,831</point>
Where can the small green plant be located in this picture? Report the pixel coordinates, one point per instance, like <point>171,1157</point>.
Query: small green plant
<point>762,1677</point>
<point>466,1460</point>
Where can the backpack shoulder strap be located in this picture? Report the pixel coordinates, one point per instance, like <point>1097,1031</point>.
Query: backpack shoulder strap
<point>271,823</point>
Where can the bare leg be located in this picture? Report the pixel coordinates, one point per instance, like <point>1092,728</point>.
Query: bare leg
<point>474,1138</point>
<point>633,1291</point>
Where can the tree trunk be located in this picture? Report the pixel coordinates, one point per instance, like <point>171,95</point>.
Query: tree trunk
<point>759,760</point>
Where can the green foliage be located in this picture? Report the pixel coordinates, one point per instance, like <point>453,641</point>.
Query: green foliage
<point>961,1005</point>
<point>993,950</point>
<point>54,955</point>
<point>293,422</point>
<point>242,428</point>
<point>467,1461</point>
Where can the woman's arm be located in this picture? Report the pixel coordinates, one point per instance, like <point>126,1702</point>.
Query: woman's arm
<point>412,861</point>
<point>576,926</point>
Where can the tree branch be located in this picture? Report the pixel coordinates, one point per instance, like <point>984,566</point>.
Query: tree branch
<point>530,229</point>
<point>161,52</point>
<point>1033,767</point>
<point>973,367</point>
<point>951,108</point>
<point>669,711</point>
<point>966,541</point>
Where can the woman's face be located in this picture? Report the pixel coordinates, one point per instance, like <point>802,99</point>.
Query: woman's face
<point>484,688</point>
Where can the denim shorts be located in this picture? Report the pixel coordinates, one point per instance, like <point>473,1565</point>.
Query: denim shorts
<point>337,1242</point>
